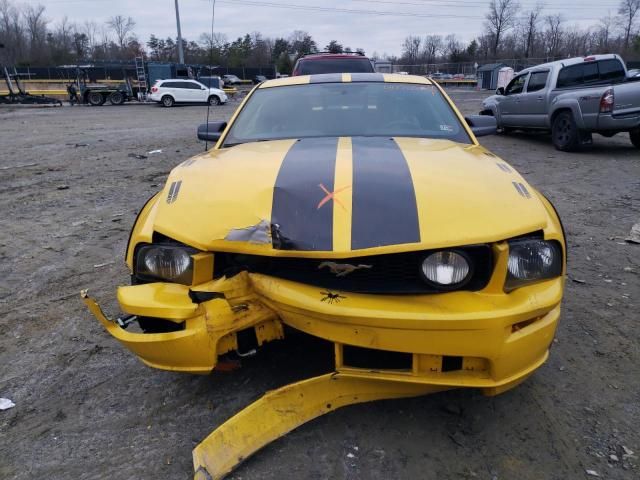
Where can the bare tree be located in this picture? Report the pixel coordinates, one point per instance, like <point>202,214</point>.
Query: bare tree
<point>529,25</point>
<point>628,12</point>
<point>501,18</point>
<point>121,27</point>
<point>554,34</point>
<point>603,33</point>
<point>411,48</point>
<point>432,46</point>
<point>37,28</point>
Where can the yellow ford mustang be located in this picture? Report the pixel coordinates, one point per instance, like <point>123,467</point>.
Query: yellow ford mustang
<point>358,208</point>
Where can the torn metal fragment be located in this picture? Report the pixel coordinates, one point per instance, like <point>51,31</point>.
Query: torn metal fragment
<point>257,234</point>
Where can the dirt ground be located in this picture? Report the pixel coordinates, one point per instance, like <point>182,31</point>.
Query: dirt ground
<point>87,409</point>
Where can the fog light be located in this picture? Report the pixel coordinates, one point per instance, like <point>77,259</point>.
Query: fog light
<point>446,268</point>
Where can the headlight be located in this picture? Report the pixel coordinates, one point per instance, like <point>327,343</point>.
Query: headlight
<point>446,268</point>
<point>531,261</point>
<point>172,263</point>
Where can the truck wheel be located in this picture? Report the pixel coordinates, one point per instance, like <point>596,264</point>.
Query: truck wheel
<point>634,135</point>
<point>167,101</point>
<point>214,101</point>
<point>564,133</point>
<point>116,98</point>
<point>95,99</point>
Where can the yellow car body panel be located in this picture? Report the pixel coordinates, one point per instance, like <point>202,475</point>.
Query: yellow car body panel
<point>230,201</point>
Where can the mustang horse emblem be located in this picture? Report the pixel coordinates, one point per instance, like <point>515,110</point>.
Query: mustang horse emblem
<point>342,269</point>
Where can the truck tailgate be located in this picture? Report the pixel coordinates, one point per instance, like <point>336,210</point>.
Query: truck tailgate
<point>627,99</point>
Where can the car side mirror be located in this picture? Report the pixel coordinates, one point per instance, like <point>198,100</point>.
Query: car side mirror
<point>482,125</point>
<point>211,132</point>
<point>500,91</point>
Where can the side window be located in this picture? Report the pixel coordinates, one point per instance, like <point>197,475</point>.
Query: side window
<point>516,85</point>
<point>193,86</point>
<point>537,81</point>
<point>166,85</point>
<point>611,70</point>
<point>570,76</point>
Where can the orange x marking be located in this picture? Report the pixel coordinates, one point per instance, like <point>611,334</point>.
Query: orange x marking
<point>332,196</point>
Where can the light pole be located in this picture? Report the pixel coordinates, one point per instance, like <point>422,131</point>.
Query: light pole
<point>180,50</point>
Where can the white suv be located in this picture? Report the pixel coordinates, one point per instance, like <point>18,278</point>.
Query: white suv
<point>169,92</point>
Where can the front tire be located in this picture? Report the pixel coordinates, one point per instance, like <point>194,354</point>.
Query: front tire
<point>95,99</point>
<point>167,101</point>
<point>634,136</point>
<point>564,133</point>
<point>214,101</point>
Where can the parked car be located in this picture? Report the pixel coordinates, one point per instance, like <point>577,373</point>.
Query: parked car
<point>172,91</point>
<point>316,63</point>
<point>362,212</point>
<point>231,80</point>
<point>572,98</point>
<point>259,79</point>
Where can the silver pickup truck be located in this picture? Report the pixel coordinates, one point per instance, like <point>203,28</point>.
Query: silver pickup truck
<point>572,98</point>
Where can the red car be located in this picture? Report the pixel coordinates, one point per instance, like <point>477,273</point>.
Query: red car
<point>315,63</point>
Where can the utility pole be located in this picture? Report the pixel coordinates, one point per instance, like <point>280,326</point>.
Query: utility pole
<point>180,50</point>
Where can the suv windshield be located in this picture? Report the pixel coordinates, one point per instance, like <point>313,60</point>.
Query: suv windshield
<point>334,65</point>
<point>346,109</point>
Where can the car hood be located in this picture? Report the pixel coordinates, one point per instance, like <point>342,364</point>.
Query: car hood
<point>345,197</point>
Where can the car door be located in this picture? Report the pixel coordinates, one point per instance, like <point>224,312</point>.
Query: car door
<point>510,104</point>
<point>197,93</point>
<point>180,92</point>
<point>533,102</point>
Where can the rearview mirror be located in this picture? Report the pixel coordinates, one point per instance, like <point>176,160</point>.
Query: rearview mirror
<point>482,125</point>
<point>211,132</point>
<point>500,91</point>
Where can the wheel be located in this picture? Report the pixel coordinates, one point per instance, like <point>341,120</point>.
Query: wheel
<point>116,98</point>
<point>167,101</point>
<point>564,133</point>
<point>213,100</point>
<point>634,135</point>
<point>95,99</point>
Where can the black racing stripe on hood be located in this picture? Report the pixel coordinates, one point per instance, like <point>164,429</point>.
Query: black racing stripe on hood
<point>384,205</point>
<point>297,222</point>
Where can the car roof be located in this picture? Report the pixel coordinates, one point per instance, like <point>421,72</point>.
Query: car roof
<point>572,61</point>
<point>346,78</point>
<point>178,80</point>
<point>331,56</point>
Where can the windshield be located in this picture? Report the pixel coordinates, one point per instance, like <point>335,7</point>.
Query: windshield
<point>346,110</point>
<point>334,65</point>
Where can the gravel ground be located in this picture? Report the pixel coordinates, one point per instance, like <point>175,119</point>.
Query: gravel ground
<point>87,409</point>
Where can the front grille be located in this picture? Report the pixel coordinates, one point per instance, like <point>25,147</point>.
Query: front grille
<point>397,273</point>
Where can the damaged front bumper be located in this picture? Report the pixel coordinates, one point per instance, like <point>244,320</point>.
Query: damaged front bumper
<point>487,340</point>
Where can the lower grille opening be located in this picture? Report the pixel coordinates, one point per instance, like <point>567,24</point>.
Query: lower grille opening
<point>159,325</point>
<point>359,357</point>
<point>451,364</point>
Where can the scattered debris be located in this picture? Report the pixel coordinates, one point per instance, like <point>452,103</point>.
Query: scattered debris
<point>81,145</point>
<point>137,155</point>
<point>579,280</point>
<point>78,223</point>
<point>350,455</point>
<point>100,265</point>
<point>613,458</point>
<point>627,452</point>
<point>22,165</point>
<point>592,473</point>
<point>62,187</point>
<point>628,269</point>
<point>153,152</point>
<point>6,404</point>
<point>634,235</point>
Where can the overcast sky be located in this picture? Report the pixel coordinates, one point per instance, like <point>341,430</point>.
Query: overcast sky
<point>374,25</point>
